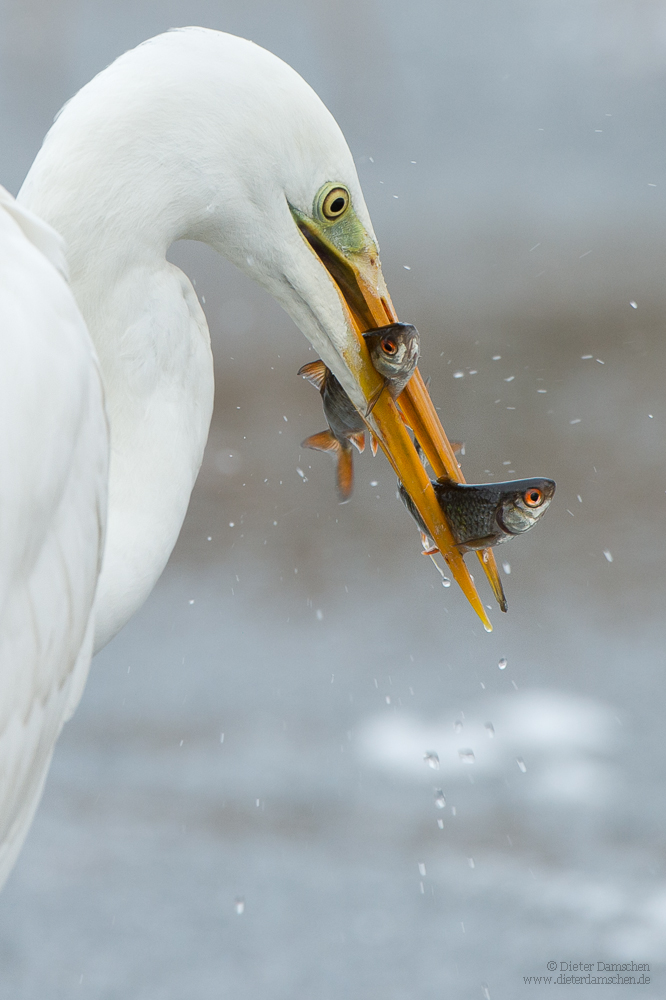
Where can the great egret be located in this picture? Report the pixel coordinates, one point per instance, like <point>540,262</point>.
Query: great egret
<point>201,135</point>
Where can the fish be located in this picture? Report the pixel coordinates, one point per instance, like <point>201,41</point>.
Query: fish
<point>345,423</point>
<point>394,352</point>
<point>485,514</point>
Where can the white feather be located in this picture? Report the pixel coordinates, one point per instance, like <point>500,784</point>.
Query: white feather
<point>53,457</point>
<point>195,134</point>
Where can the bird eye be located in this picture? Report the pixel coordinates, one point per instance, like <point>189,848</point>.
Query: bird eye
<point>533,497</point>
<point>335,203</point>
<point>389,346</point>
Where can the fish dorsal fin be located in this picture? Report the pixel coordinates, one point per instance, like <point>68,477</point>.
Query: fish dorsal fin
<point>315,372</point>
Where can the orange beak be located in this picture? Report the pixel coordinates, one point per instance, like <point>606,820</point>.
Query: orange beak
<point>360,283</point>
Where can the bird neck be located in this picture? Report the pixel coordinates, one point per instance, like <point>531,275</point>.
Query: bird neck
<point>120,194</point>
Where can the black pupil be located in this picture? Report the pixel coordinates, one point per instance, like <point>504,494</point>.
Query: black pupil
<point>389,347</point>
<point>337,205</point>
<point>534,497</point>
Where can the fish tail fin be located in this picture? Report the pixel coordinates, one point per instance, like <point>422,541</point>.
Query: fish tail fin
<point>374,444</point>
<point>315,372</point>
<point>324,441</point>
<point>358,440</point>
<point>458,447</point>
<point>345,474</point>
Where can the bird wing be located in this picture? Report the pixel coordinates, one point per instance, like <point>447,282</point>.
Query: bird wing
<point>53,486</point>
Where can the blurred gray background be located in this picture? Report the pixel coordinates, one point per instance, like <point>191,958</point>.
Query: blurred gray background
<point>513,158</point>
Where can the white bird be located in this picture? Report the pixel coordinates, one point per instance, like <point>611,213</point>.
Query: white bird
<point>195,134</point>
<point>54,457</point>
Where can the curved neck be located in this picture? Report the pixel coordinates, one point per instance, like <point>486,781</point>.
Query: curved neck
<point>119,206</point>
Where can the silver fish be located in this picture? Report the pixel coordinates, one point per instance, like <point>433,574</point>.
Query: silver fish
<point>394,352</point>
<point>346,425</point>
<point>486,514</point>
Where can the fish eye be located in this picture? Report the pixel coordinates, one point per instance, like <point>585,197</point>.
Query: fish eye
<point>335,203</point>
<point>389,346</point>
<point>533,497</point>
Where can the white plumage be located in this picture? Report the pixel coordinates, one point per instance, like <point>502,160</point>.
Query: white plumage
<point>53,457</point>
<point>198,135</point>
<point>194,134</point>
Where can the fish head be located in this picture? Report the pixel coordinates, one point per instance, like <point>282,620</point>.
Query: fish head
<point>522,503</point>
<point>394,350</point>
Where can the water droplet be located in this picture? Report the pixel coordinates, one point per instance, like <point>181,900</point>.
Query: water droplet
<point>586,357</point>
<point>457,726</point>
<point>440,799</point>
<point>466,756</point>
<point>497,357</point>
<point>422,869</point>
<point>521,764</point>
<point>486,993</point>
<point>634,305</point>
<point>388,699</point>
<point>458,374</point>
<point>221,737</point>
<point>192,602</point>
<point>239,905</point>
<point>510,378</point>
<point>453,811</point>
<point>320,614</point>
<point>502,663</point>
<point>432,759</point>
<point>576,421</point>
<point>608,555</point>
<point>507,568</point>
<point>470,862</point>
<point>446,582</point>
<point>490,729</point>
<point>440,824</point>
